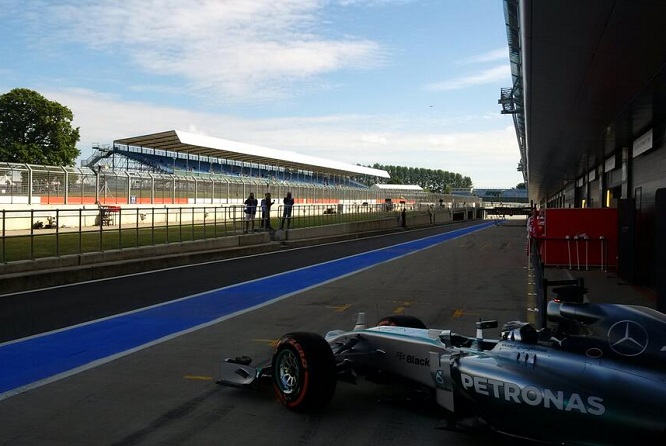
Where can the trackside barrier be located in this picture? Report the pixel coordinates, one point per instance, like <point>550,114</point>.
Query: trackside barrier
<point>104,228</point>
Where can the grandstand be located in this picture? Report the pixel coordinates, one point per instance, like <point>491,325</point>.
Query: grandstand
<point>175,168</point>
<point>182,153</point>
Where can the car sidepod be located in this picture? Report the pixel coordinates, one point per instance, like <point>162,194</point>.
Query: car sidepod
<point>550,395</point>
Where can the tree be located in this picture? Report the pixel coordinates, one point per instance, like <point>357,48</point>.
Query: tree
<point>35,130</point>
<point>435,181</point>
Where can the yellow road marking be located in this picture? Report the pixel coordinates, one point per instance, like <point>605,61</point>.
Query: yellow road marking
<point>339,308</point>
<point>271,342</point>
<point>401,309</point>
<point>198,377</point>
<point>457,313</point>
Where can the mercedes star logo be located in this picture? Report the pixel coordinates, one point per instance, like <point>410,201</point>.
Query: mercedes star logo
<point>628,338</point>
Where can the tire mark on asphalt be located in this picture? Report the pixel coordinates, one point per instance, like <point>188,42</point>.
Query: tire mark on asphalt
<point>172,416</point>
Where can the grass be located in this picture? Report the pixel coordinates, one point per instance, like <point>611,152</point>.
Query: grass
<point>43,244</point>
<point>39,245</point>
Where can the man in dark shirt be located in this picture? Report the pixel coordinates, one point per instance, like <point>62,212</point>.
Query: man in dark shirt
<point>250,211</point>
<point>288,203</point>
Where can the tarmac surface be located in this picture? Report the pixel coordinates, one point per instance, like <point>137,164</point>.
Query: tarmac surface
<point>161,389</point>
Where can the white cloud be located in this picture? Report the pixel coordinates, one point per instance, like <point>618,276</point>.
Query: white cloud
<point>234,49</point>
<point>228,51</point>
<point>375,139</point>
<point>372,3</point>
<point>489,157</point>
<point>490,75</point>
<point>500,54</point>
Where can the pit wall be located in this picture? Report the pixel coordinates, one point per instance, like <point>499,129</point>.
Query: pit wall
<point>40,273</point>
<point>24,218</point>
<point>412,220</point>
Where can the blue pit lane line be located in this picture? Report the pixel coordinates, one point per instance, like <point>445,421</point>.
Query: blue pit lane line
<point>33,361</point>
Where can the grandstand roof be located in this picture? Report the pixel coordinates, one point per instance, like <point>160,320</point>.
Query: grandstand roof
<point>183,142</point>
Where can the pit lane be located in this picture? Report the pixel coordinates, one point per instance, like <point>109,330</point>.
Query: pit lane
<point>165,393</point>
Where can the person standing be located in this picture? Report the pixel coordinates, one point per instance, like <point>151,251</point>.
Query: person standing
<point>266,204</point>
<point>250,211</point>
<point>288,203</point>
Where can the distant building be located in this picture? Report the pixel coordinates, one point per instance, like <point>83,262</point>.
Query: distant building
<point>399,193</point>
<point>398,187</point>
<point>512,195</point>
<point>462,191</point>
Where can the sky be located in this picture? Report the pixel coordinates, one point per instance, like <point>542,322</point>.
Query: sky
<point>397,82</point>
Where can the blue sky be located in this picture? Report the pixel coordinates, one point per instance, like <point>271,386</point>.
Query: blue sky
<point>396,82</point>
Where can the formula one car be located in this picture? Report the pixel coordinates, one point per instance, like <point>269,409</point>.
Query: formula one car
<point>596,375</point>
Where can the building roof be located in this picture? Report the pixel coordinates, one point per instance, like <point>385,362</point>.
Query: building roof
<point>184,142</point>
<point>585,74</point>
<point>398,187</point>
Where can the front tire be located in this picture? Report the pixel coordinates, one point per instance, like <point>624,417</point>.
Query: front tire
<point>304,373</point>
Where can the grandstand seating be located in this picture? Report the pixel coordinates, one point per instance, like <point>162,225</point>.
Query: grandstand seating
<point>199,167</point>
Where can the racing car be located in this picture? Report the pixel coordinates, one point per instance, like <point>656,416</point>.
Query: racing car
<point>596,374</point>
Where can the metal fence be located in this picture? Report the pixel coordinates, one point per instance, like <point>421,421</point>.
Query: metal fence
<point>55,185</point>
<point>52,211</point>
<point>60,232</point>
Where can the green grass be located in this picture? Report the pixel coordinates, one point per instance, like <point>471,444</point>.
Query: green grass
<point>42,244</point>
<point>27,247</point>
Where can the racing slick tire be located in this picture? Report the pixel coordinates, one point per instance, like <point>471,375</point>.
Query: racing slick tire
<point>401,320</point>
<point>304,371</point>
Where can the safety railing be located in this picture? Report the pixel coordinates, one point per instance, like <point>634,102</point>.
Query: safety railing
<point>38,233</point>
<point>37,185</point>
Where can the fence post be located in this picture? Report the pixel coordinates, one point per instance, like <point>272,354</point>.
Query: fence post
<point>4,216</point>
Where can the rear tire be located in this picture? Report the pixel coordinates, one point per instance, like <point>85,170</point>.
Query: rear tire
<point>401,320</point>
<point>304,372</point>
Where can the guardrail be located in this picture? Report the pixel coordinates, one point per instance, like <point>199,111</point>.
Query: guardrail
<point>60,232</point>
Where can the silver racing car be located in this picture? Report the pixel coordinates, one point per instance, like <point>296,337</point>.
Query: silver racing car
<point>596,375</point>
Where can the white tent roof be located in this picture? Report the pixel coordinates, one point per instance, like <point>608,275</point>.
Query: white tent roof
<point>410,187</point>
<point>184,142</point>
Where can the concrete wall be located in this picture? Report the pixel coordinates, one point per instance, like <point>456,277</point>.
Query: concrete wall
<point>393,222</point>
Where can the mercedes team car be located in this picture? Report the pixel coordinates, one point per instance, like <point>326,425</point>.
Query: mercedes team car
<point>596,375</point>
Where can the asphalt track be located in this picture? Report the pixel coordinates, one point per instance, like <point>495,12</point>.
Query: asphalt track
<point>133,360</point>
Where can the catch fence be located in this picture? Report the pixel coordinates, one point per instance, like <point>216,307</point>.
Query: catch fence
<point>56,185</point>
